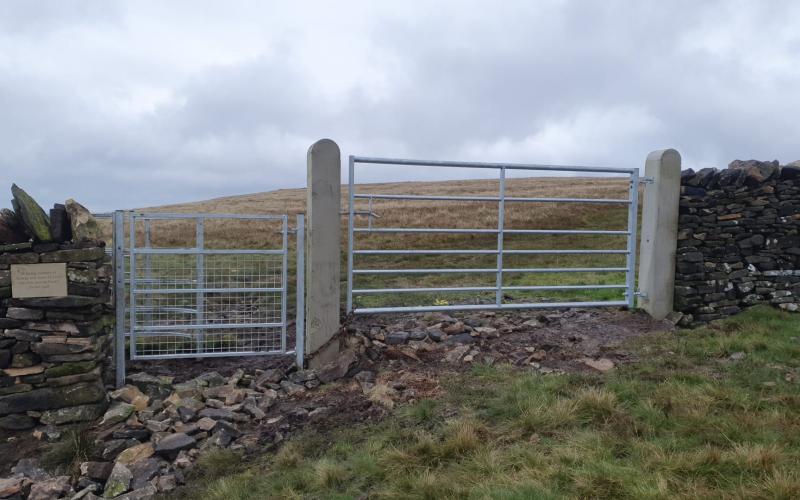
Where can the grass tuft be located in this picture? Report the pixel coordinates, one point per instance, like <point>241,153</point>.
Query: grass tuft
<point>329,474</point>
<point>66,455</point>
<point>218,463</point>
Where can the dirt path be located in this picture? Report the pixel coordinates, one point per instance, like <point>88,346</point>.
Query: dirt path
<point>390,374</point>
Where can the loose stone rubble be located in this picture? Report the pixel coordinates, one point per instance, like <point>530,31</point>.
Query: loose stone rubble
<point>738,241</point>
<point>155,429</point>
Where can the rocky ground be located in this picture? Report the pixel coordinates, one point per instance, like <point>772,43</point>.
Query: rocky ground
<point>158,425</point>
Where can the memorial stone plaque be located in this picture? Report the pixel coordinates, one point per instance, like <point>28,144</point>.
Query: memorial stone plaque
<point>38,280</point>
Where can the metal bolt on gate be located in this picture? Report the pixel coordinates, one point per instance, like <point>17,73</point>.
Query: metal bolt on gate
<point>181,301</point>
<point>500,251</point>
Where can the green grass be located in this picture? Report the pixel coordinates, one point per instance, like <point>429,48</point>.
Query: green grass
<point>684,422</point>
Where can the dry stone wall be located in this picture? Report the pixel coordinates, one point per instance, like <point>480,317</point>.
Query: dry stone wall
<point>738,240</point>
<point>53,350</point>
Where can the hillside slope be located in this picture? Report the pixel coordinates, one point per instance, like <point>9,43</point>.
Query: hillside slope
<point>442,214</point>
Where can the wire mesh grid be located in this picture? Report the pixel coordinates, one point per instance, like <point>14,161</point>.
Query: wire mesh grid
<point>191,302</point>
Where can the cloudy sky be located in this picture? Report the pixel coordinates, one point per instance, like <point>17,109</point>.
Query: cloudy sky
<point>133,103</point>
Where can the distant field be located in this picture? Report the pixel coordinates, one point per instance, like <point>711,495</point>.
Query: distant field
<point>442,214</point>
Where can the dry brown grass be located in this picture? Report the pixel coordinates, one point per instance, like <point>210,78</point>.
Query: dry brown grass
<point>435,214</point>
<point>397,213</point>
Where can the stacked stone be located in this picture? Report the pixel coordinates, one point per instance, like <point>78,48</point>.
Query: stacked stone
<point>53,349</point>
<point>738,240</point>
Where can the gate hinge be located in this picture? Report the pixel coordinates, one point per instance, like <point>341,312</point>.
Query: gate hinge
<point>641,295</point>
<point>646,180</point>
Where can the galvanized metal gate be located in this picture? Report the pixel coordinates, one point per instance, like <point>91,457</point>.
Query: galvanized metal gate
<point>500,251</point>
<point>183,294</point>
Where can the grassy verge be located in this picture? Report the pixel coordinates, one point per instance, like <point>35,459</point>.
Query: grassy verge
<point>687,421</point>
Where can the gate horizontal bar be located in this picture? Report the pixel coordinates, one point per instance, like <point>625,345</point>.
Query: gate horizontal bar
<point>493,270</point>
<point>425,290</point>
<point>566,270</point>
<point>486,252</point>
<point>510,166</point>
<point>565,231</point>
<point>204,251</point>
<point>188,335</point>
<point>561,287</point>
<point>182,310</point>
<point>423,252</point>
<point>147,291</point>
<point>173,216</point>
<point>211,354</point>
<point>562,252</point>
<point>488,198</point>
<point>423,230</point>
<point>422,271</point>
<point>205,326</point>
<point>489,307</point>
<point>366,291</point>
<point>162,281</point>
<point>483,231</point>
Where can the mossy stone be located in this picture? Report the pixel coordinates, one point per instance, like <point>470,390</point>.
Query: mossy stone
<point>70,369</point>
<point>32,214</point>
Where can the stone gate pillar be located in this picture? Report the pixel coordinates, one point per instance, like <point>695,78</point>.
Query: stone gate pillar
<point>323,244</point>
<point>659,232</point>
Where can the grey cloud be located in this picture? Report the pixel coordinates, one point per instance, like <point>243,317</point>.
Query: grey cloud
<point>559,81</point>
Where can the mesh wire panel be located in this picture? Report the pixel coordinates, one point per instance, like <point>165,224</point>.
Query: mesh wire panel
<point>191,302</point>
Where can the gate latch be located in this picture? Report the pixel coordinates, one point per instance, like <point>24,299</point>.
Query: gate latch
<point>646,180</point>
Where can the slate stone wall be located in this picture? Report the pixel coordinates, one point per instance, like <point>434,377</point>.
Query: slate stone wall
<point>738,241</point>
<point>54,351</point>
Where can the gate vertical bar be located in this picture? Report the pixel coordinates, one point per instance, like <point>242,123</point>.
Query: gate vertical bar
<point>501,220</point>
<point>200,275</point>
<point>351,200</point>
<point>132,284</point>
<point>300,323</point>
<point>284,279</point>
<point>633,220</point>
<point>369,214</point>
<point>119,297</point>
<point>148,271</point>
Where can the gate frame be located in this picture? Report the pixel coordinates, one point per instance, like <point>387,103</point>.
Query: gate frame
<point>501,198</point>
<point>121,251</point>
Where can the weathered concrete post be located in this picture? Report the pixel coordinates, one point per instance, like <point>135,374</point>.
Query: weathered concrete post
<point>323,205</point>
<point>659,232</point>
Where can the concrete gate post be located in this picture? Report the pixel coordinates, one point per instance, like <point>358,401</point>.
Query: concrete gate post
<point>323,244</point>
<point>659,232</point>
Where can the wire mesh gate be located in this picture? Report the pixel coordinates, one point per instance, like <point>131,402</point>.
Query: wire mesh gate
<point>204,285</point>
<point>501,270</point>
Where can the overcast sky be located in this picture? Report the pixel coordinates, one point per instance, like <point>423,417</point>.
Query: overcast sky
<point>126,104</point>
